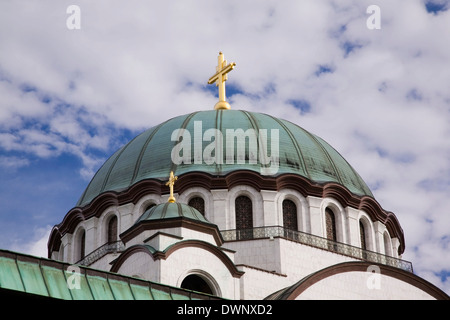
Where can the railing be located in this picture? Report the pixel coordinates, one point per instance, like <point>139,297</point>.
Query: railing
<point>112,247</point>
<point>317,242</point>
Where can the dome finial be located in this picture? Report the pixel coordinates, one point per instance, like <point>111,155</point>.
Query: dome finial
<point>219,78</point>
<point>170,183</point>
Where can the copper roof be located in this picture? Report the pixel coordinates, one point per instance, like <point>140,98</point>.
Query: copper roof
<point>148,156</point>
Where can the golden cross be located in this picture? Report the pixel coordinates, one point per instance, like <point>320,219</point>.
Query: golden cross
<point>219,78</point>
<point>170,183</point>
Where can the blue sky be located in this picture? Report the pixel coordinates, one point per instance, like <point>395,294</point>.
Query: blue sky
<point>70,98</point>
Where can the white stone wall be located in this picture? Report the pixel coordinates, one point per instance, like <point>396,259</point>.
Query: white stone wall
<point>104,262</point>
<point>181,263</point>
<point>360,286</point>
<point>257,284</point>
<point>269,264</point>
<point>141,265</point>
<point>267,211</point>
<point>201,262</point>
<point>281,260</point>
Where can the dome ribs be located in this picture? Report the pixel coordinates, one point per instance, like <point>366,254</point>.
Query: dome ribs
<point>298,150</point>
<point>148,156</point>
<point>183,126</point>
<point>141,154</point>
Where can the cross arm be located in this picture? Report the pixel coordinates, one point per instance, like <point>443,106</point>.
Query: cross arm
<point>224,71</point>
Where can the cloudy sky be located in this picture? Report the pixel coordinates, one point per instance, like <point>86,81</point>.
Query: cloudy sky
<point>70,97</point>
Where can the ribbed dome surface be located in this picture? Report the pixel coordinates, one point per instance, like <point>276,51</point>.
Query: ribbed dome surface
<point>149,155</point>
<point>170,210</point>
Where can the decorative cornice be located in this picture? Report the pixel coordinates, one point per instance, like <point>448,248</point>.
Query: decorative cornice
<point>163,255</point>
<point>179,222</point>
<point>54,241</point>
<point>159,233</point>
<point>292,292</point>
<point>298,183</point>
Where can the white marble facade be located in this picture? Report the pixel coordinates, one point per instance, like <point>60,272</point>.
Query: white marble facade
<point>264,265</point>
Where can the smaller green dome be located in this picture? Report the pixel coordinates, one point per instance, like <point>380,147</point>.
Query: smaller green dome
<point>170,210</point>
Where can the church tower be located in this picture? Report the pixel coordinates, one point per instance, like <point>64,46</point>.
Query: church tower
<point>239,205</point>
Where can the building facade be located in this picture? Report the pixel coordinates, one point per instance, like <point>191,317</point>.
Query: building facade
<point>264,210</point>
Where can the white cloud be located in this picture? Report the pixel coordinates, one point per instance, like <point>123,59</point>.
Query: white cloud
<point>37,246</point>
<point>12,162</point>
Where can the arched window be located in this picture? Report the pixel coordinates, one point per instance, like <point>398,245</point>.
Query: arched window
<point>244,217</point>
<point>289,215</point>
<point>112,229</point>
<point>196,283</point>
<point>82,239</point>
<point>198,203</point>
<point>330,222</point>
<point>151,205</point>
<point>387,244</point>
<point>362,235</point>
<point>363,238</point>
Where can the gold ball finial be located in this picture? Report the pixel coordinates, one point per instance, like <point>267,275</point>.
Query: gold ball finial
<point>222,105</point>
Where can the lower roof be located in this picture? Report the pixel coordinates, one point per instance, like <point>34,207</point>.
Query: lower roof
<point>40,277</point>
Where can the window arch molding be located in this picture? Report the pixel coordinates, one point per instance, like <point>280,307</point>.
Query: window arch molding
<point>79,244</point>
<point>244,216</point>
<point>103,224</point>
<point>339,216</point>
<point>257,205</point>
<point>366,223</point>
<point>387,242</point>
<point>303,217</point>
<point>208,278</point>
<point>203,193</point>
<point>197,202</point>
<point>112,228</point>
<point>143,204</point>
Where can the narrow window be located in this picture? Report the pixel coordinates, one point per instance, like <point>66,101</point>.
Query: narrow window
<point>362,235</point>
<point>82,244</point>
<point>244,217</point>
<point>330,224</point>
<point>289,215</point>
<point>112,230</point>
<point>198,203</point>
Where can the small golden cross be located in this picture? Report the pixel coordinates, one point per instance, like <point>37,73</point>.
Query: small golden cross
<point>219,78</point>
<point>170,183</point>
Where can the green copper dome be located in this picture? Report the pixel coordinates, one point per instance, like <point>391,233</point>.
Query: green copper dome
<point>170,210</point>
<point>218,142</point>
